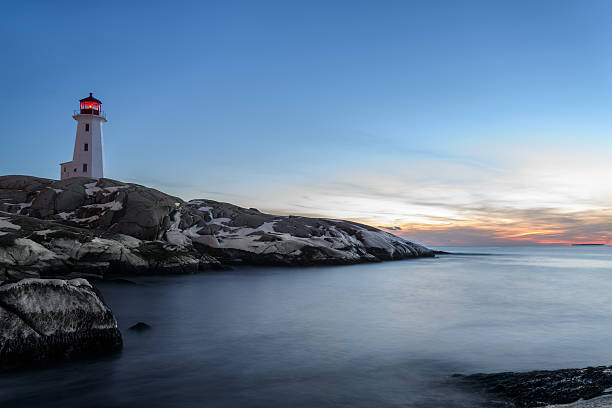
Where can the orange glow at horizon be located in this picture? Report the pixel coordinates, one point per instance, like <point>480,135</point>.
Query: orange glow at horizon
<point>524,234</point>
<point>467,233</point>
<point>547,195</point>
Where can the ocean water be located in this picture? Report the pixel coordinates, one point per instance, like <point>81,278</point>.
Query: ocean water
<point>374,335</point>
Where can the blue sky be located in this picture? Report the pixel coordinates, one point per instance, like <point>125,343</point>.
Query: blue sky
<point>440,117</point>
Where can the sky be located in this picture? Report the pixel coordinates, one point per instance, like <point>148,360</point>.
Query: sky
<point>444,122</point>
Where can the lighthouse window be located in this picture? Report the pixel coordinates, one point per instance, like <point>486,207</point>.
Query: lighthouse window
<point>86,147</point>
<point>87,128</point>
<point>84,167</point>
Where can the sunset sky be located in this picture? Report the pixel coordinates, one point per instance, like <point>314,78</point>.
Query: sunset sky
<point>446,122</point>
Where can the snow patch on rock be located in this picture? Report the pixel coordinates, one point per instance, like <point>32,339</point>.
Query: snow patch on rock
<point>113,206</point>
<point>4,223</point>
<point>91,188</point>
<point>35,249</point>
<point>44,233</point>
<point>114,189</point>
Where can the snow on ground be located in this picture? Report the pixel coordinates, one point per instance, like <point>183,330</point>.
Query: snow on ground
<point>192,231</point>
<point>7,224</point>
<point>110,206</point>
<point>91,189</point>
<point>248,239</point>
<point>176,220</point>
<point>34,248</point>
<point>207,209</point>
<point>113,206</point>
<point>265,239</point>
<point>66,215</point>
<point>174,235</point>
<point>220,221</point>
<point>268,227</point>
<point>114,189</point>
<point>85,220</point>
<point>129,241</point>
<point>22,206</point>
<point>45,232</point>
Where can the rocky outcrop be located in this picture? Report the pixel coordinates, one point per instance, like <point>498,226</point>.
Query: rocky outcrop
<point>30,247</point>
<point>105,204</point>
<point>240,235</point>
<point>43,320</point>
<point>544,388</point>
<point>105,226</point>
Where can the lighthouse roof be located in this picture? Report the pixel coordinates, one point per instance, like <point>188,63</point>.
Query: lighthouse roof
<point>90,98</point>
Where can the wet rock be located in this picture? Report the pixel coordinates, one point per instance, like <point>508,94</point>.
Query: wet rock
<point>543,388</point>
<point>140,326</point>
<point>45,320</point>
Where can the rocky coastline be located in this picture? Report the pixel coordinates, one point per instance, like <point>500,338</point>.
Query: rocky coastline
<point>579,387</point>
<point>88,228</point>
<point>54,234</point>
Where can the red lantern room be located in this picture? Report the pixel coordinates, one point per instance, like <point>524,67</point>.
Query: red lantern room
<point>91,105</point>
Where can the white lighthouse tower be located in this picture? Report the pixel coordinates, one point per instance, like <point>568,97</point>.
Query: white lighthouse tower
<point>88,156</point>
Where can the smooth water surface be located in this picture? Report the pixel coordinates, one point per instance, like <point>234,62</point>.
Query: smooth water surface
<point>374,335</point>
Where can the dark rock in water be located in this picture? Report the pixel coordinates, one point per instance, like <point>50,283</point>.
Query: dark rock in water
<point>44,320</point>
<point>140,326</point>
<point>542,388</point>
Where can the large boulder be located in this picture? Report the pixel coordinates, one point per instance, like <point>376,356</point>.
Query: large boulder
<point>44,320</point>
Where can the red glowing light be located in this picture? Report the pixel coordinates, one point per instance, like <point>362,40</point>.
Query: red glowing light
<point>90,105</point>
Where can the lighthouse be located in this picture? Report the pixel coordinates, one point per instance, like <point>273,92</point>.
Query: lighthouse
<point>88,156</point>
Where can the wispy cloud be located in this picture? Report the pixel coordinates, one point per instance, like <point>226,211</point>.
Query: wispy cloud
<point>395,228</point>
<point>535,196</point>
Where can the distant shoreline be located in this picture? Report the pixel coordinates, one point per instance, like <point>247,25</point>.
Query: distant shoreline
<point>589,244</point>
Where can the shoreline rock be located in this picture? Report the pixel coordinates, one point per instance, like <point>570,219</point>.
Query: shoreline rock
<point>83,227</point>
<point>545,387</point>
<point>46,320</point>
